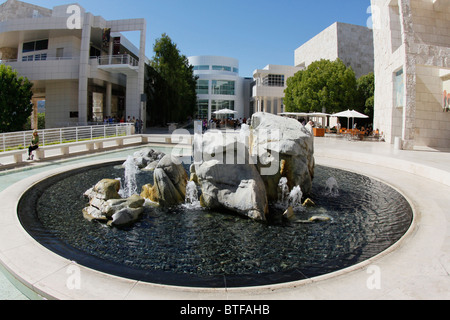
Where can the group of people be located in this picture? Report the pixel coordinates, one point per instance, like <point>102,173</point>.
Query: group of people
<point>138,123</point>
<point>216,123</point>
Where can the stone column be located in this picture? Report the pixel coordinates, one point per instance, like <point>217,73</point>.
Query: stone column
<point>108,99</point>
<point>409,110</point>
<point>141,77</point>
<point>84,70</point>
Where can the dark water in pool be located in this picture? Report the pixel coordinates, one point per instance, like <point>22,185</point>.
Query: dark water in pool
<point>218,249</point>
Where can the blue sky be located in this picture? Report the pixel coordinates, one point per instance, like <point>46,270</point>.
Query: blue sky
<point>256,32</point>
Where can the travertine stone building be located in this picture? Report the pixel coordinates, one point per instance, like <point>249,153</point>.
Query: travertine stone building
<point>351,43</point>
<point>80,64</point>
<point>412,71</point>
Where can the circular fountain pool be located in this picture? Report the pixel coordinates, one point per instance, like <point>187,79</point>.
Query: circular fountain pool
<point>189,246</point>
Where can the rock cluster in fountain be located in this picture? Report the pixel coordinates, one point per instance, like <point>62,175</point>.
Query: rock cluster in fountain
<point>241,173</point>
<point>106,205</point>
<point>234,172</point>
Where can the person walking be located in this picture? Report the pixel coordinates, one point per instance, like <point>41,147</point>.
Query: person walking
<point>34,145</point>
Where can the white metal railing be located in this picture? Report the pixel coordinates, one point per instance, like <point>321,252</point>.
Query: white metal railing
<point>46,59</point>
<point>19,140</point>
<point>124,59</point>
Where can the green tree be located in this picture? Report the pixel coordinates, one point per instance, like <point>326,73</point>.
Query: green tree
<point>15,100</point>
<point>41,122</point>
<point>170,84</point>
<point>366,92</point>
<point>324,85</point>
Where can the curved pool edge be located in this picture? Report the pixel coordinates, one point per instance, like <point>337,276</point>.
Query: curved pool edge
<point>53,277</point>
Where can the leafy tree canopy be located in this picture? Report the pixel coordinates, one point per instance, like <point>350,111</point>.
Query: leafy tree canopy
<point>366,92</point>
<point>170,84</point>
<point>324,86</point>
<point>15,100</point>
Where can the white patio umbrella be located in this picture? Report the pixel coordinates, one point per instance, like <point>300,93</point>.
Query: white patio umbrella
<point>225,112</point>
<point>350,114</point>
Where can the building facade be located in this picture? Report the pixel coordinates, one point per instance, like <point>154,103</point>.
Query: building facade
<point>219,86</point>
<point>412,71</point>
<point>268,88</point>
<point>351,43</point>
<point>80,64</point>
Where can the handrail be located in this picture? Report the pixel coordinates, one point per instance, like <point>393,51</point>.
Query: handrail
<point>21,140</point>
<point>46,59</point>
<point>123,59</point>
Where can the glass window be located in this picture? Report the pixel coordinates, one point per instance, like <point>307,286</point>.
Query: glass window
<point>202,109</point>
<point>203,67</point>
<point>274,80</point>
<point>217,105</point>
<point>35,46</point>
<point>28,47</point>
<point>40,57</point>
<point>223,87</point>
<point>235,70</point>
<point>42,45</point>
<point>202,87</point>
<point>221,68</point>
<point>28,58</point>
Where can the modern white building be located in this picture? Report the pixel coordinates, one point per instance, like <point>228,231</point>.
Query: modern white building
<point>219,86</point>
<point>351,43</point>
<point>412,72</point>
<point>268,88</point>
<point>80,64</point>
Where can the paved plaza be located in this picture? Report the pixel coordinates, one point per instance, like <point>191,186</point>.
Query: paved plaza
<point>415,268</point>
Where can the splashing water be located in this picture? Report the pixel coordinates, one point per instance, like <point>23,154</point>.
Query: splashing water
<point>192,196</point>
<point>295,198</point>
<point>191,192</point>
<point>129,187</point>
<point>283,191</point>
<point>287,198</point>
<point>332,187</point>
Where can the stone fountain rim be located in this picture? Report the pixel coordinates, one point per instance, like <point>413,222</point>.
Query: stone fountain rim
<point>19,253</point>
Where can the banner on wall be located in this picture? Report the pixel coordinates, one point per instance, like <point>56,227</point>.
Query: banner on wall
<point>399,89</point>
<point>446,96</point>
<point>106,37</point>
<point>116,45</point>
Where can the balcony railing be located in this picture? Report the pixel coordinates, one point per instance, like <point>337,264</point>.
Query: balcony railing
<point>6,61</point>
<point>20,140</point>
<point>123,59</point>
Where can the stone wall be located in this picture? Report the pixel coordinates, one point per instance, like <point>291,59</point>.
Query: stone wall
<point>355,48</point>
<point>8,53</point>
<point>13,9</point>
<point>422,52</point>
<point>322,46</point>
<point>351,43</point>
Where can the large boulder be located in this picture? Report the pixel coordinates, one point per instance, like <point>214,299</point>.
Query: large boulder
<point>227,179</point>
<point>237,188</point>
<point>285,149</point>
<point>170,180</point>
<point>126,216</point>
<point>105,189</point>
